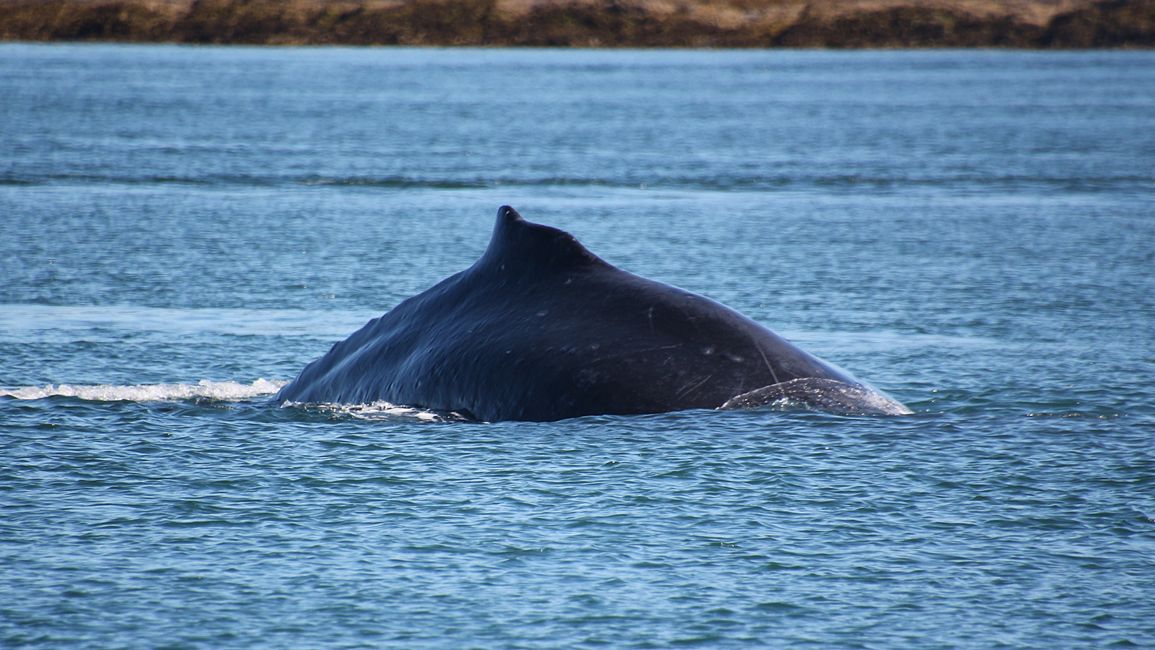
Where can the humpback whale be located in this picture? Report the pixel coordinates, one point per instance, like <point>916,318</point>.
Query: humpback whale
<point>541,329</point>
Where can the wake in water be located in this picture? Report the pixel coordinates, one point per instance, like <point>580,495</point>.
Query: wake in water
<point>217,391</point>
<point>224,391</point>
<point>802,394</point>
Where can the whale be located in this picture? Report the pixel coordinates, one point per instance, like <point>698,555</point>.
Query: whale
<point>541,329</point>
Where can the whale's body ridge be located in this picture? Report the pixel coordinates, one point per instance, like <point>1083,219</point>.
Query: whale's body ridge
<point>540,328</point>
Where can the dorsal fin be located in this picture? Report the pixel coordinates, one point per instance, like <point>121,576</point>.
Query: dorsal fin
<point>519,242</point>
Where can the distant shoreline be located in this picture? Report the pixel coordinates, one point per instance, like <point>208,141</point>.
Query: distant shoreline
<point>1026,24</point>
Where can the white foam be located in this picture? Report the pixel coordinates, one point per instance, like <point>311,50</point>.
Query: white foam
<point>225,391</point>
<point>375,411</point>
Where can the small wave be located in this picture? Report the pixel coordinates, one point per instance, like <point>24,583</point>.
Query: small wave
<point>1066,415</point>
<point>255,180</point>
<point>75,323</point>
<point>224,391</point>
<point>393,182</point>
<point>947,181</point>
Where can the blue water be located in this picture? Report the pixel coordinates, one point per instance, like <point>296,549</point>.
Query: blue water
<point>183,228</point>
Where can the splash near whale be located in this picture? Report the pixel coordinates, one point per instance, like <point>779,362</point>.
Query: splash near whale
<point>541,329</point>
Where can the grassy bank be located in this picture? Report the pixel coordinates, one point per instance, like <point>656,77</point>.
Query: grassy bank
<point>589,23</point>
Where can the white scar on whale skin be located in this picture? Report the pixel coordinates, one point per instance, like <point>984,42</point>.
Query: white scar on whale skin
<point>692,386</point>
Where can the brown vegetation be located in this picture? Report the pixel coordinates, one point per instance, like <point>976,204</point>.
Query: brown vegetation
<point>586,23</point>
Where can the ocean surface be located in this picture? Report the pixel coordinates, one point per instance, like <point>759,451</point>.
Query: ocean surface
<point>182,229</point>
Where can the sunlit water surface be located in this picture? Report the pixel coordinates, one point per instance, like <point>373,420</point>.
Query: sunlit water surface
<point>185,228</point>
